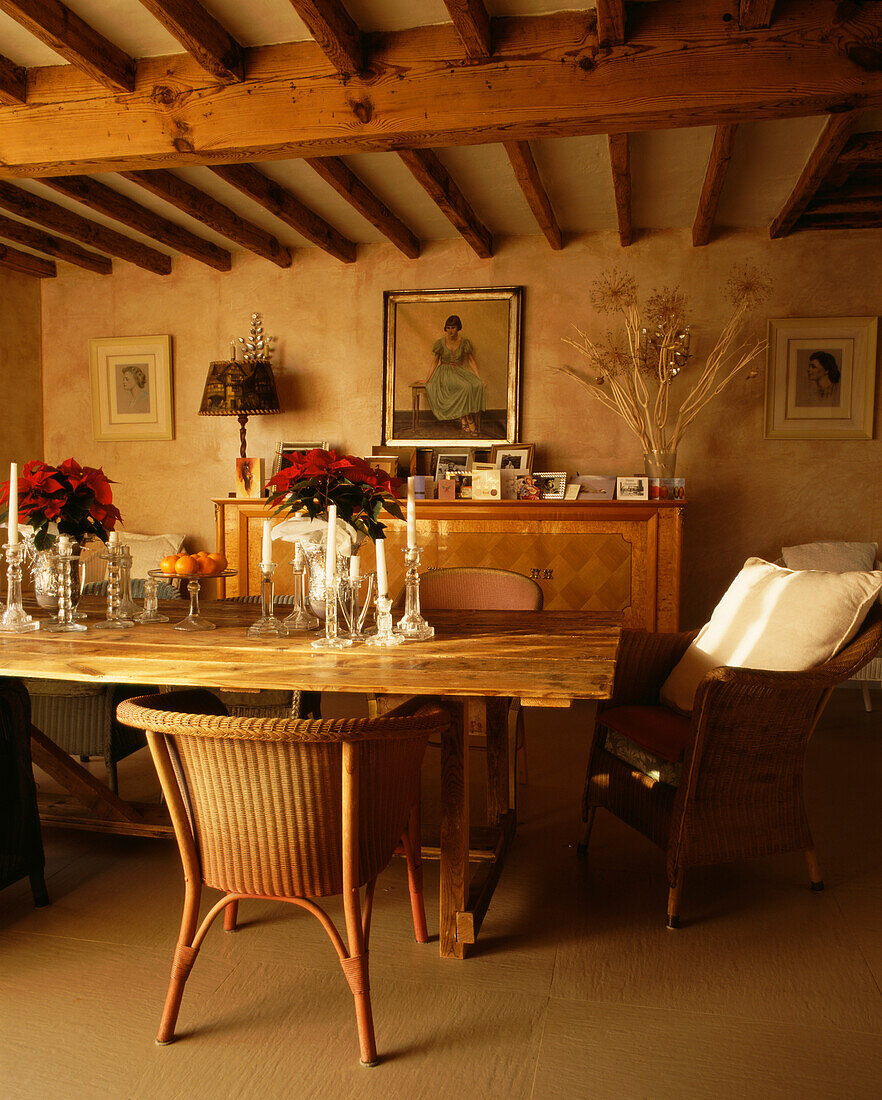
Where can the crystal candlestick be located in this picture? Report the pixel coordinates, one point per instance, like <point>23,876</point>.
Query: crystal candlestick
<point>412,625</point>
<point>15,619</point>
<point>353,614</point>
<point>385,636</point>
<point>331,640</point>
<point>62,558</point>
<point>127,606</point>
<point>151,613</point>
<point>301,618</point>
<point>115,619</point>
<point>267,626</point>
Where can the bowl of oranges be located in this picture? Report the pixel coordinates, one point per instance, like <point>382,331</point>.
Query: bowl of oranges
<point>200,564</point>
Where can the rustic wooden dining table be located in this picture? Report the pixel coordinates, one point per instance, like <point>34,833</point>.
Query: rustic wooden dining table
<point>543,658</point>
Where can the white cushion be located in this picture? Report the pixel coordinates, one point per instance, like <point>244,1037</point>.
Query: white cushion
<point>149,550</point>
<point>774,618</point>
<point>837,557</point>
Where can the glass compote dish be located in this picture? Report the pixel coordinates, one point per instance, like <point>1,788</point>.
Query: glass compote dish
<point>195,620</point>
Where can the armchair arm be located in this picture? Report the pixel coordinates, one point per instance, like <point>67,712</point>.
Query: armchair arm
<point>643,663</point>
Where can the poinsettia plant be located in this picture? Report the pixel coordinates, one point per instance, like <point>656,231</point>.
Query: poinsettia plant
<point>313,480</point>
<point>69,499</point>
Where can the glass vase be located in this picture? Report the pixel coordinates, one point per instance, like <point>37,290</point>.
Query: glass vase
<point>315,552</point>
<point>660,463</point>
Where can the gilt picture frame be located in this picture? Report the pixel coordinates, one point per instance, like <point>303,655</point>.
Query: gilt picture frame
<point>448,385</point>
<point>283,449</point>
<point>132,388</point>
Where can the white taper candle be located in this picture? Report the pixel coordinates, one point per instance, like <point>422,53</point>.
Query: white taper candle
<point>354,567</point>
<point>266,557</point>
<point>382,581</point>
<point>13,504</point>
<point>331,554</point>
<point>411,514</point>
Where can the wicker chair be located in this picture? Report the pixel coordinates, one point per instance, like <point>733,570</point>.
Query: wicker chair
<point>289,811</point>
<point>742,755</point>
<point>21,844</point>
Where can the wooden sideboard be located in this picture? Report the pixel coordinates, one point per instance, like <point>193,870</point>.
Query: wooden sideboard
<point>587,557</point>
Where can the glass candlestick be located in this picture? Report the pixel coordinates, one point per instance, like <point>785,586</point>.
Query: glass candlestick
<point>350,599</point>
<point>151,613</point>
<point>385,636</point>
<point>115,619</point>
<point>331,640</point>
<point>127,606</point>
<point>412,625</point>
<point>15,619</point>
<point>62,558</point>
<point>267,625</point>
<point>301,618</point>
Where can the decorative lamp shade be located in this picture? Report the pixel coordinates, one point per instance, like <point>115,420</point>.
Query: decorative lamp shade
<point>241,389</point>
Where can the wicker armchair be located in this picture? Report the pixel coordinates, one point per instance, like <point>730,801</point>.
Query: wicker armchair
<point>290,811</point>
<point>742,753</point>
<point>21,844</point>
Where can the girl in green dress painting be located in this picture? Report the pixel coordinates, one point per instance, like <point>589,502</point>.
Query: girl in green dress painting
<point>454,388</point>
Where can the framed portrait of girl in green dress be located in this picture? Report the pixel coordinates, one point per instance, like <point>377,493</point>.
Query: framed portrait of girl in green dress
<point>451,366</point>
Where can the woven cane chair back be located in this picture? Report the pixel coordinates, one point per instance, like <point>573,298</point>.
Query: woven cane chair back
<point>479,590</point>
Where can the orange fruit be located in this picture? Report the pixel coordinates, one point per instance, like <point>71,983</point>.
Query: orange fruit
<point>220,562</point>
<point>168,563</point>
<point>186,565</point>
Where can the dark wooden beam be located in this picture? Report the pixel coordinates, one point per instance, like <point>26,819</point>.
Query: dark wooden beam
<point>862,150</point>
<point>26,264</point>
<point>755,14</point>
<point>201,36</point>
<point>337,173</point>
<point>279,201</point>
<point>864,220</point>
<point>190,200</point>
<point>63,31</point>
<point>527,174</point>
<point>431,174</point>
<point>844,204</point>
<point>48,214</point>
<point>824,155</point>
<point>13,83</point>
<point>472,24</point>
<point>335,31</point>
<point>714,178</point>
<point>611,22</point>
<point>12,230</point>
<point>97,196</point>
<point>620,162</point>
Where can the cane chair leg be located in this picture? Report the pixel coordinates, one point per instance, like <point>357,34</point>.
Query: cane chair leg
<point>412,843</point>
<point>673,921</point>
<point>185,956</point>
<point>814,870</point>
<point>356,971</point>
<point>585,835</point>
<point>231,916</point>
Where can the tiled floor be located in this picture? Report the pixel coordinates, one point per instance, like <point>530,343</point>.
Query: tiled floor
<point>576,989</point>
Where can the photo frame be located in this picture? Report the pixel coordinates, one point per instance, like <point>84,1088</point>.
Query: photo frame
<point>513,456</point>
<point>552,485</point>
<point>455,462</point>
<point>387,463</point>
<point>132,391</point>
<point>476,391</point>
<point>283,449</point>
<point>821,378</point>
<point>632,488</point>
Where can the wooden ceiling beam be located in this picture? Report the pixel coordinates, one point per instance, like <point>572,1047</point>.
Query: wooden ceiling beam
<point>620,162</point>
<point>434,178</point>
<point>195,203</point>
<point>846,204</point>
<point>755,14</point>
<point>104,200</point>
<point>472,24</point>
<point>527,174</point>
<point>546,79</point>
<point>201,36</point>
<point>338,175</point>
<point>865,220</point>
<point>13,83</point>
<point>12,230</point>
<point>26,264</point>
<point>58,218</point>
<point>279,201</point>
<point>714,178</point>
<point>335,32</point>
<point>63,31</point>
<point>862,150</point>
<point>824,155</point>
<point>611,18</point>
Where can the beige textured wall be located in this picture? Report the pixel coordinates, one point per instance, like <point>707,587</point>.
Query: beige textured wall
<point>21,395</point>
<point>746,495</point>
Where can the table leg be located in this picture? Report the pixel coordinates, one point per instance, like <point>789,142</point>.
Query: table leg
<point>454,832</point>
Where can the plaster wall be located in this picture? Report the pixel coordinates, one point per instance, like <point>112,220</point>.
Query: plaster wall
<point>21,395</point>
<point>747,495</point>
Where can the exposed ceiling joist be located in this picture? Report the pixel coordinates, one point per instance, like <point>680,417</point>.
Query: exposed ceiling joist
<point>195,203</point>
<point>97,196</point>
<point>611,22</point>
<point>26,264</point>
<point>861,150</point>
<point>620,162</point>
<point>545,79</point>
<point>279,201</point>
<point>472,24</point>
<point>52,216</point>
<point>824,155</point>
<point>431,174</point>
<point>13,83</point>
<point>12,230</point>
<point>63,31</point>
<point>335,31</point>
<point>714,178</point>
<point>337,173</point>
<point>527,175</point>
<point>754,14</point>
<point>201,36</point>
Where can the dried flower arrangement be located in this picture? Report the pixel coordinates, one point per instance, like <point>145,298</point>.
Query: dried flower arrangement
<point>634,379</point>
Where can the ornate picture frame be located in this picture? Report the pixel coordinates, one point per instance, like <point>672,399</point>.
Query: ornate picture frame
<point>132,392</point>
<point>283,449</point>
<point>442,387</point>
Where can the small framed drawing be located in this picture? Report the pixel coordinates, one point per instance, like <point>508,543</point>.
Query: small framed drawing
<point>595,486</point>
<point>632,488</point>
<point>552,486</point>
<point>284,449</point>
<point>387,463</point>
<point>513,456</point>
<point>452,463</point>
<point>821,378</point>
<point>132,396</point>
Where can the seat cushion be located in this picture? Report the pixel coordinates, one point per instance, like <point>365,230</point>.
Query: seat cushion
<point>660,730</point>
<point>835,557</point>
<point>774,618</point>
